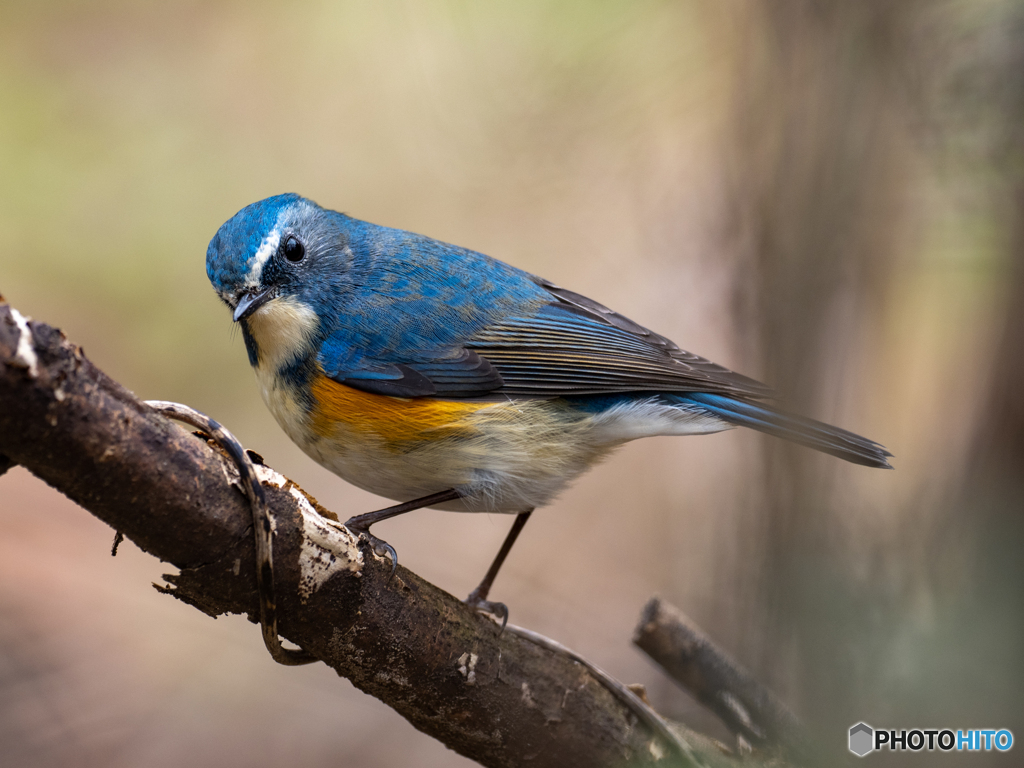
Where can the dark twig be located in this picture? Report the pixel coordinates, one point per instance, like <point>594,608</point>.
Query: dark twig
<point>746,707</point>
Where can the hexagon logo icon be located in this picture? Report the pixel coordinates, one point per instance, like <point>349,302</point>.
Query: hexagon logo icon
<point>861,739</point>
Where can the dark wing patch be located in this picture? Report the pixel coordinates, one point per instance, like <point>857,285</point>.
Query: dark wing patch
<point>460,374</point>
<point>403,381</point>
<point>466,374</point>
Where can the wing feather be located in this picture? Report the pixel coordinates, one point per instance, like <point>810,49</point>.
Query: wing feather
<point>575,346</point>
<point>570,346</point>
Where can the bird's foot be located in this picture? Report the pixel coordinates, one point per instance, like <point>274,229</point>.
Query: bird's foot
<point>379,547</point>
<point>498,610</point>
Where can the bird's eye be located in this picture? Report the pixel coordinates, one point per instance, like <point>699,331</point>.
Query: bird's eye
<point>293,249</point>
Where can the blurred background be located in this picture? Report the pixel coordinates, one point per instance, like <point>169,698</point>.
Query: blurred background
<point>825,195</point>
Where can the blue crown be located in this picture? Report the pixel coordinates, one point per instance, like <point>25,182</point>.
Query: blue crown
<point>230,254</point>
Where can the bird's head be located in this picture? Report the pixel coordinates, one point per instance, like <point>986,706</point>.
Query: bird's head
<point>279,264</point>
<point>278,248</point>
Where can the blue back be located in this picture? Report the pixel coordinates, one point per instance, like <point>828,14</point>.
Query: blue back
<point>411,299</point>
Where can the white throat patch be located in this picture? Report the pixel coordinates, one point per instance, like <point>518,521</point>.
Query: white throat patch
<point>282,329</point>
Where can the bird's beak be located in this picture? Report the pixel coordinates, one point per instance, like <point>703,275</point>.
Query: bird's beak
<point>250,301</point>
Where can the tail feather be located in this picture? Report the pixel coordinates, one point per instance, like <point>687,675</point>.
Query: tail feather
<point>798,429</point>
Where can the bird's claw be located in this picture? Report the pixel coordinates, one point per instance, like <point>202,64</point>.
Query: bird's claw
<point>379,547</point>
<point>498,610</point>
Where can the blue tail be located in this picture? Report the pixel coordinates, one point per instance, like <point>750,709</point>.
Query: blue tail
<point>798,429</point>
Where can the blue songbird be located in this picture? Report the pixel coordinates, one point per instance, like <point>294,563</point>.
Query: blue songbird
<point>440,377</point>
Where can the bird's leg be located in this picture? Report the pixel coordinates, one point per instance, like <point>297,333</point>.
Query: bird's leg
<point>361,523</point>
<point>478,597</point>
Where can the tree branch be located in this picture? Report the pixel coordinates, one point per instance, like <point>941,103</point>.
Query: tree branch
<point>747,708</point>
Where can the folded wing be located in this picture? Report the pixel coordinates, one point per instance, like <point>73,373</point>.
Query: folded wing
<point>570,346</point>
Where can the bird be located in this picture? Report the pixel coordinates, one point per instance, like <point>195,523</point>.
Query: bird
<point>437,376</point>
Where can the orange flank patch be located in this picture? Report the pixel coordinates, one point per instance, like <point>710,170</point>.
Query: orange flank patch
<point>393,419</point>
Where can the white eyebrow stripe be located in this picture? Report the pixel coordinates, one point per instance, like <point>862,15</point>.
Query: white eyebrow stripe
<point>267,249</point>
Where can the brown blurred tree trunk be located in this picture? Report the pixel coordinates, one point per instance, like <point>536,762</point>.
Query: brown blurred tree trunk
<point>818,189</point>
<point>989,510</point>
